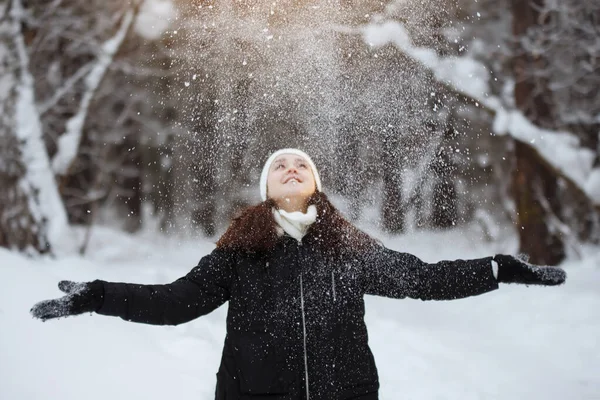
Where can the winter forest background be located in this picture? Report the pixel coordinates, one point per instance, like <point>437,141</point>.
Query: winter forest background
<point>436,112</point>
<point>452,127</point>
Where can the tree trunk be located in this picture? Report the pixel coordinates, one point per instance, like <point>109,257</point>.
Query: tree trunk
<point>532,95</point>
<point>532,179</point>
<point>31,212</point>
<point>164,191</point>
<point>351,181</point>
<point>392,209</point>
<point>534,183</point>
<point>445,195</point>
<point>130,183</point>
<point>19,227</point>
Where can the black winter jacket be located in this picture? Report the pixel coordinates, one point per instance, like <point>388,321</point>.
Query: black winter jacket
<point>295,322</point>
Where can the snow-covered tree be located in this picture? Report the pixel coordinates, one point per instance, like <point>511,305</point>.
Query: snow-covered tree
<point>33,215</point>
<point>51,79</point>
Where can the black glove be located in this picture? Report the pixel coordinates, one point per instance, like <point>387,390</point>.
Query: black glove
<point>80,298</point>
<point>513,270</point>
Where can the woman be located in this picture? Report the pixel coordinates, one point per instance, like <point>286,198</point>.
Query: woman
<point>295,273</point>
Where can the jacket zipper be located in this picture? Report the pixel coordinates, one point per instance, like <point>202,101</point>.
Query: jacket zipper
<point>333,285</point>
<point>304,336</point>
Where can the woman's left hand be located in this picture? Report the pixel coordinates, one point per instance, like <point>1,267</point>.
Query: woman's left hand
<point>80,297</point>
<point>513,270</point>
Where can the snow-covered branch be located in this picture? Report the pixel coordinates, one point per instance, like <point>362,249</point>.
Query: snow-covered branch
<point>470,78</point>
<point>68,143</point>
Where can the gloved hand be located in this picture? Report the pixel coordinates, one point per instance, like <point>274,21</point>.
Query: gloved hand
<point>513,270</point>
<point>81,297</point>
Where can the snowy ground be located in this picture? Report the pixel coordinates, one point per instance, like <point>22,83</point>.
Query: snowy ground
<point>516,343</point>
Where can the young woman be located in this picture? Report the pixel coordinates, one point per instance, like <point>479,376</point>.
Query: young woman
<point>295,273</point>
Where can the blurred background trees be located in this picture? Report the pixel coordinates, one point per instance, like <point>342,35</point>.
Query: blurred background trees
<point>165,110</point>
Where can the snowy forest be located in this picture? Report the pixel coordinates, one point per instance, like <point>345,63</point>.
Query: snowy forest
<point>133,131</point>
<point>437,113</point>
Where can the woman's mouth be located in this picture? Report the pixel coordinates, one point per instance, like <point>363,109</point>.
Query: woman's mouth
<point>292,179</point>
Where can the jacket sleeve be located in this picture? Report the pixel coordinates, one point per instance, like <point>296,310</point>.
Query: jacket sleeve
<point>398,275</point>
<point>202,290</point>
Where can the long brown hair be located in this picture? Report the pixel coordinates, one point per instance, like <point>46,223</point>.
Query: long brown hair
<point>255,230</point>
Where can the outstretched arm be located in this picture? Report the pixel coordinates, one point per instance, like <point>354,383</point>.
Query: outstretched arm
<point>398,275</point>
<point>201,291</point>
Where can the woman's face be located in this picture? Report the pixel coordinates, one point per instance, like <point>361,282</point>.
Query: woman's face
<point>290,176</point>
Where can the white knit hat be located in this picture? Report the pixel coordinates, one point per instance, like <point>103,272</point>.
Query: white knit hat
<point>265,171</point>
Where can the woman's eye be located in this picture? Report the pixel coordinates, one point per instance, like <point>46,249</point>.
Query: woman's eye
<point>279,166</point>
<point>302,165</point>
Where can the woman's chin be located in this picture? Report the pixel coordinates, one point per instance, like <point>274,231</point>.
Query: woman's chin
<point>289,197</point>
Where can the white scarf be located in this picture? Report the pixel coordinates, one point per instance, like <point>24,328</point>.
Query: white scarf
<point>295,223</point>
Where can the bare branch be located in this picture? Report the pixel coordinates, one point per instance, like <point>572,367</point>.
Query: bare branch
<point>64,89</point>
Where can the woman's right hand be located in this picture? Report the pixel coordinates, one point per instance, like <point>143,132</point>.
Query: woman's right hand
<point>80,297</point>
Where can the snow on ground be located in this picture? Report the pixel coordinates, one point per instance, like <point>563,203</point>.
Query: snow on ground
<point>515,343</point>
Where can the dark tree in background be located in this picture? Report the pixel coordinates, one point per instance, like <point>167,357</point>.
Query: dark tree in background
<point>542,212</point>
<point>392,202</point>
<point>534,180</point>
<point>445,196</point>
